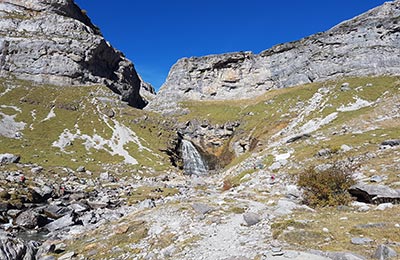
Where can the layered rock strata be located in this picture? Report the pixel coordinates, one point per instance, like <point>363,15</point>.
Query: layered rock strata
<point>368,44</point>
<point>54,41</point>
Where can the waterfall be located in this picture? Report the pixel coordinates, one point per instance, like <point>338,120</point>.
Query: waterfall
<point>192,161</point>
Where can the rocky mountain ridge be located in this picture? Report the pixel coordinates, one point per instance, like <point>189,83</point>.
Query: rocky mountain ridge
<point>368,44</point>
<point>54,42</point>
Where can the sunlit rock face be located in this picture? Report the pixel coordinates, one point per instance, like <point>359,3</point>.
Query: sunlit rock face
<point>55,42</point>
<point>368,44</point>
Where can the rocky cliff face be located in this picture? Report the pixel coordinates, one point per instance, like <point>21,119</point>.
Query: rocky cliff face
<point>368,44</point>
<point>53,41</point>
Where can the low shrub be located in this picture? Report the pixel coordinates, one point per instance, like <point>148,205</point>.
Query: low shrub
<point>326,187</point>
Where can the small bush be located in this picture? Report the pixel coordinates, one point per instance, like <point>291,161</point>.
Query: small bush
<point>327,187</point>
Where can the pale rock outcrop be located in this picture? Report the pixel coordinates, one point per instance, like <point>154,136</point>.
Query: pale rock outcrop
<point>54,41</point>
<point>368,44</point>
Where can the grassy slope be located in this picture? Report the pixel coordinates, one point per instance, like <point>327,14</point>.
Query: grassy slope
<point>266,115</point>
<point>76,106</point>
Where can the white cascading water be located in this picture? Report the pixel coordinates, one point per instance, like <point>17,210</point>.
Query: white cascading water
<point>192,161</point>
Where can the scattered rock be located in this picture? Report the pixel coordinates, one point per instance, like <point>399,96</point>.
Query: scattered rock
<point>391,143</point>
<point>81,169</point>
<point>276,251</point>
<point>37,169</point>
<point>78,207</point>
<point>384,206</point>
<point>201,208</point>
<point>345,148</point>
<point>293,191</point>
<point>63,222</point>
<point>372,225</point>
<point>30,219</point>
<point>45,192</point>
<point>361,240</point>
<point>374,193</point>
<point>384,252</point>
<point>345,87</point>
<point>297,138</point>
<point>67,256</point>
<point>14,248</point>
<point>376,178</point>
<point>147,204</point>
<point>251,218</point>
<point>324,152</point>
<point>6,158</point>
<point>55,212</point>
<point>285,207</point>
<point>339,255</point>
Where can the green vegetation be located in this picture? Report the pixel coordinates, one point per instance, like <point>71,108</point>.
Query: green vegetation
<point>306,230</point>
<point>234,181</point>
<point>262,117</point>
<point>96,245</point>
<point>327,187</point>
<point>82,112</point>
<point>153,193</point>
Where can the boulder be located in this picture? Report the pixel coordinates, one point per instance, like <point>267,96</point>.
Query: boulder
<point>391,143</point>
<point>339,255</point>
<point>79,207</point>
<point>37,169</point>
<point>45,192</point>
<point>361,240</point>
<point>56,212</point>
<point>7,158</point>
<point>374,193</point>
<point>201,208</point>
<point>14,248</point>
<point>81,169</point>
<point>384,252</point>
<point>251,218</point>
<point>30,219</point>
<point>61,223</point>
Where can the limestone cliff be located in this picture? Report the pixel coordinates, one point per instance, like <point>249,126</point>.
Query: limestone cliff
<point>53,41</point>
<point>368,44</point>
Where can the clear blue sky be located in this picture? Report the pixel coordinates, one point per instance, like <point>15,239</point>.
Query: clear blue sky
<point>154,34</point>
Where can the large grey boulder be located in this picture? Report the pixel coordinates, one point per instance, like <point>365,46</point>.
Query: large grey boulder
<point>251,218</point>
<point>375,193</point>
<point>368,44</point>
<point>30,219</point>
<point>61,223</point>
<point>384,252</point>
<point>6,158</point>
<point>55,42</point>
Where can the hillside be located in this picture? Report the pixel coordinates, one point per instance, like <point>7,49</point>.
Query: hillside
<point>86,174</point>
